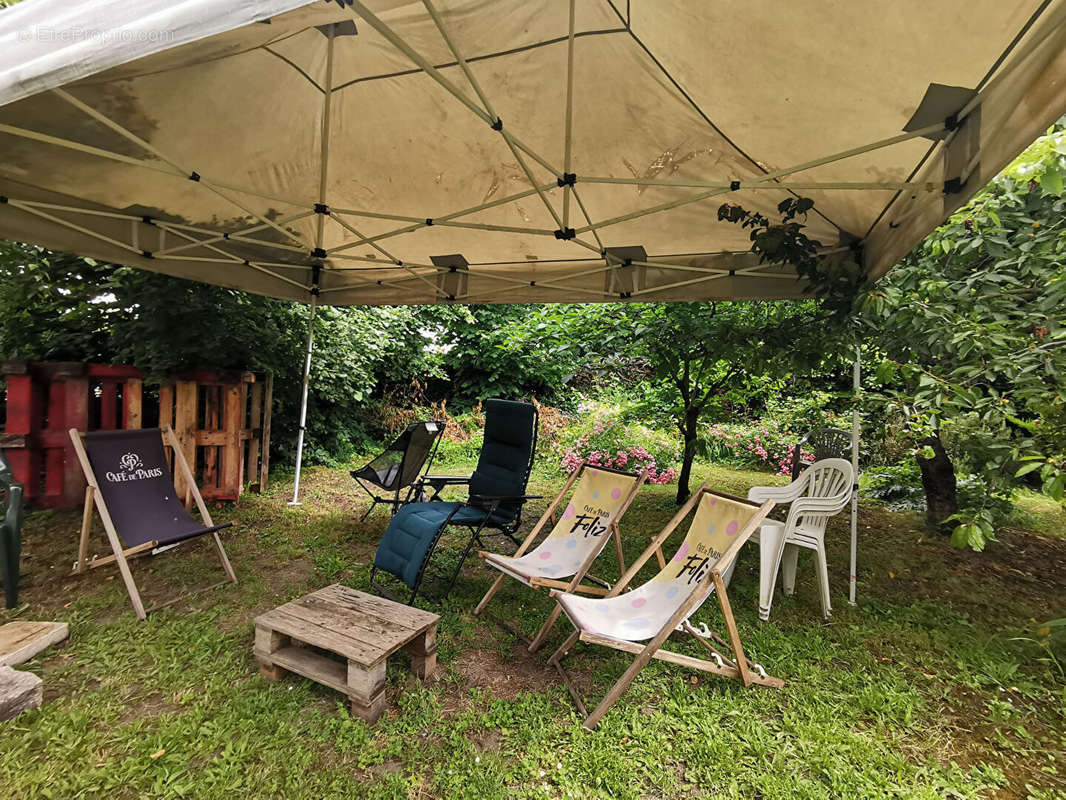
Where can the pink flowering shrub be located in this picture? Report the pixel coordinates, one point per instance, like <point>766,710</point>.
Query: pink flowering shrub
<point>602,439</point>
<point>762,444</point>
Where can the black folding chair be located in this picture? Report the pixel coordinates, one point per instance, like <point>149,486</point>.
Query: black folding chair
<point>401,465</point>
<point>823,443</point>
<point>496,496</point>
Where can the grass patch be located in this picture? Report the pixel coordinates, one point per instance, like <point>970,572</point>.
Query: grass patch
<point>933,686</point>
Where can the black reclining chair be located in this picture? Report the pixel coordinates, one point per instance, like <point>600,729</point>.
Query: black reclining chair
<point>496,495</point>
<point>400,466</point>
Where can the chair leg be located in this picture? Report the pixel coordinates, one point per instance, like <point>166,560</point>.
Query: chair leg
<point>496,586</point>
<point>822,567</point>
<point>788,568</point>
<point>769,552</point>
<point>545,629</point>
<point>369,511</point>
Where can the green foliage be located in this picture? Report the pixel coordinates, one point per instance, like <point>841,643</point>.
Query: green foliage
<point>603,436</point>
<point>972,329</point>
<point>61,307</point>
<point>834,280</point>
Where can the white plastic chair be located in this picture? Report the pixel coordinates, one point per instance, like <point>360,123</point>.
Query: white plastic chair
<point>820,492</point>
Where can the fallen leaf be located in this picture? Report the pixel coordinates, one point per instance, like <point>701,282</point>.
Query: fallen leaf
<point>157,753</point>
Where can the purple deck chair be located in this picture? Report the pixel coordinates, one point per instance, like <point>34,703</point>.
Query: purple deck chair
<point>130,483</point>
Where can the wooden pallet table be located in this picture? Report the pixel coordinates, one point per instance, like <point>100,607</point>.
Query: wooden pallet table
<point>341,638</point>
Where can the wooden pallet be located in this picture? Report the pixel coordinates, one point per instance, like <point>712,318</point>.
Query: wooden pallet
<point>341,638</point>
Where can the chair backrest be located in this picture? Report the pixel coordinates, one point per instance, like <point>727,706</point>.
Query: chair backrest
<point>829,480</point>
<point>506,454</point>
<point>133,476</point>
<point>597,500</point>
<point>402,461</point>
<point>717,524</point>
<point>822,443</point>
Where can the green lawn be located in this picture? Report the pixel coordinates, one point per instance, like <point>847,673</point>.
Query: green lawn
<point>934,686</point>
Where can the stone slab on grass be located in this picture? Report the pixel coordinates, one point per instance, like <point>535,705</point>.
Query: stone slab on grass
<point>21,641</point>
<point>19,691</point>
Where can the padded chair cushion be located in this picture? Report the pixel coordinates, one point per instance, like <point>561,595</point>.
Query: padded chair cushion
<point>503,467</point>
<point>411,533</point>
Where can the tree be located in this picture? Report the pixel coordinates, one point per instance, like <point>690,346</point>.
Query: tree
<point>64,307</point>
<point>704,351</point>
<point>971,325</point>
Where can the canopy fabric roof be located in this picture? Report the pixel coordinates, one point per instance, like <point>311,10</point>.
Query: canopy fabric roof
<point>421,152</point>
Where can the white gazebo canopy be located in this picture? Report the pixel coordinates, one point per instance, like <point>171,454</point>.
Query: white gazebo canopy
<point>392,152</point>
<point>512,151</point>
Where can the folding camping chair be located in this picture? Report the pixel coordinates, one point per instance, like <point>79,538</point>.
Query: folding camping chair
<point>10,532</point>
<point>602,496</point>
<point>137,502</point>
<point>654,610</point>
<point>401,465</point>
<point>496,495</point>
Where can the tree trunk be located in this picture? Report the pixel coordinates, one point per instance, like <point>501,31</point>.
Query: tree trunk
<point>938,481</point>
<point>691,428</point>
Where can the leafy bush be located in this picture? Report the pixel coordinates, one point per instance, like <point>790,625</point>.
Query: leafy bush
<point>600,436</point>
<point>761,445</point>
<point>899,486</point>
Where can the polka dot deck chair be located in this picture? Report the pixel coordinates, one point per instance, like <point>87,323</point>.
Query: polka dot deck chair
<point>599,499</point>
<point>651,612</point>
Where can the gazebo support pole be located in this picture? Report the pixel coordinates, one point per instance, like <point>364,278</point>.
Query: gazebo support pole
<point>857,391</point>
<point>303,400</point>
<point>316,266</point>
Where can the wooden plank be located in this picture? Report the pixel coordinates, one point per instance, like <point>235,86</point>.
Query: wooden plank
<point>23,418</point>
<point>255,413</point>
<point>414,619</point>
<point>313,666</point>
<point>108,406</point>
<point>728,670</point>
<point>76,416</point>
<point>264,461</point>
<point>316,635</point>
<point>232,467</point>
<point>186,399</point>
<point>365,683</point>
<point>166,405</point>
<point>53,457</point>
<point>114,371</point>
<point>373,638</point>
<point>21,641</point>
<point>132,395</point>
<point>212,409</point>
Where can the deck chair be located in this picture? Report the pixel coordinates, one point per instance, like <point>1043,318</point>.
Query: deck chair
<point>654,610</point>
<point>130,484</point>
<point>401,465</point>
<point>494,504</point>
<point>10,532</point>
<point>601,497</point>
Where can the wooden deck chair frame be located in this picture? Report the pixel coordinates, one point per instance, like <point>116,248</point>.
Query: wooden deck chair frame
<point>120,556</point>
<point>737,666</point>
<point>574,584</point>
